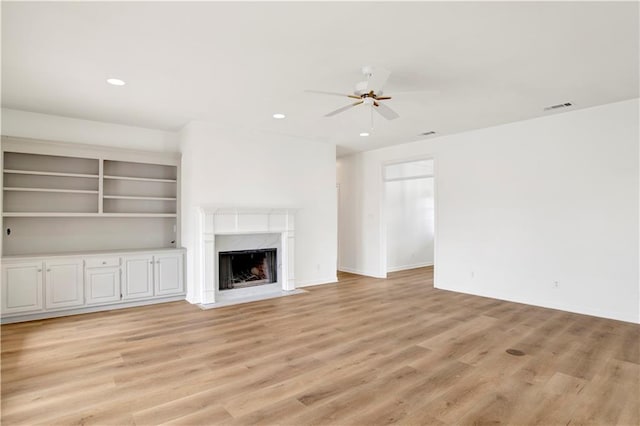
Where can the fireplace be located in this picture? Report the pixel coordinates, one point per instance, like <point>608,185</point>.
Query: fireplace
<point>230,230</point>
<point>247,268</point>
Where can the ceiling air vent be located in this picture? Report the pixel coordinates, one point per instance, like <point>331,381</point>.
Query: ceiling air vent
<point>564,105</point>
<point>429,133</point>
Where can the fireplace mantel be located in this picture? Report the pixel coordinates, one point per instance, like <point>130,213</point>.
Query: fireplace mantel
<point>244,221</point>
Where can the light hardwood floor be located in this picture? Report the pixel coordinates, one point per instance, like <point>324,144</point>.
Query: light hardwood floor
<point>363,352</point>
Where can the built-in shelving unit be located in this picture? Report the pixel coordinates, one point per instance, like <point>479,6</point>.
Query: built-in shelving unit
<point>87,228</point>
<point>50,184</point>
<point>86,198</point>
<point>139,188</point>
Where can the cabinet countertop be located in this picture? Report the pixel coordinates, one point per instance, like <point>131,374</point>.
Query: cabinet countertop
<point>92,253</point>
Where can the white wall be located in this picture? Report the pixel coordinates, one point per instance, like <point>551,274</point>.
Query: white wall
<point>64,129</point>
<point>519,207</point>
<point>224,167</point>
<point>409,214</point>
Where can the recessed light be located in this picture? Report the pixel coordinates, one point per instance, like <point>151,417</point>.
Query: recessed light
<point>116,82</point>
<point>279,116</point>
<point>364,134</point>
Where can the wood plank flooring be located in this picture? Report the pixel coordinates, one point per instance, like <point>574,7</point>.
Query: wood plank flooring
<point>363,352</point>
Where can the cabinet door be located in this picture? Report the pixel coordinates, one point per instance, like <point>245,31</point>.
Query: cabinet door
<point>64,284</point>
<point>102,285</point>
<point>138,277</point>
<point>168,274</point>
<point>22,287</point>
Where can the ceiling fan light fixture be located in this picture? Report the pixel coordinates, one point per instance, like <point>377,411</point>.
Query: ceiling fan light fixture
<point>279,116</point>
<point>367,93</point>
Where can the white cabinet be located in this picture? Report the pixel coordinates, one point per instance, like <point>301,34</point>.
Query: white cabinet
<point>103,285</point>
<point>102,279</point>
<point>152,275</point>
<point>168,274</point>
<point>22,287</point>
<point>138,277</point>
<point>34,288</point>
<point>63,283</point>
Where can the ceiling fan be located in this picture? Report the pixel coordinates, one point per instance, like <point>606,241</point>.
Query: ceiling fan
<point>367,92</point>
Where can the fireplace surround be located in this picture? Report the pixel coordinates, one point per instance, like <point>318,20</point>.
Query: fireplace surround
<point>224,230</point>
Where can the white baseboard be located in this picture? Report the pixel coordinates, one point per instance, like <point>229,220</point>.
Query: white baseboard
<point>88,310</point>
<point>349,270</point>
<point>307,283</point>
<point>583,310</point>
<point>405,267</point>
<point>359,272</point>
<point>251,298</point>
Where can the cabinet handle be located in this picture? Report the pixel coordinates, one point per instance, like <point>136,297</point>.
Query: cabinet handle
<point>104,262</point>
<point>151,262</point>
<point>48,270</point>
<point>39,270</point>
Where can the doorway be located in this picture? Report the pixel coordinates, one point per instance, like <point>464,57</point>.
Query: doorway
<point>409,215</point>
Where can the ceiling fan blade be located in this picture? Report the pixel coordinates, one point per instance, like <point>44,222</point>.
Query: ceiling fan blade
<point>417,92</point>
<point>382,98</point>
<point>333,94</point>
<point>378,79</point>
<point>339,110</point>
<point>386,112</point>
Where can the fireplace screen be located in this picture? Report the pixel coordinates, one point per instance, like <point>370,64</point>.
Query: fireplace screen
<point>247,268</point>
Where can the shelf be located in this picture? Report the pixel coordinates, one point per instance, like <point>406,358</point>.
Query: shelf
<point>64,214</point>
<point>138,214</point>
<point>139,179</point>
<point>47,214</point>
<point>130,197</point>
<point>107,203</point>
<point>71,191</point>
<point>31,172</point>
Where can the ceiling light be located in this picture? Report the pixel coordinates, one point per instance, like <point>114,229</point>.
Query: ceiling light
<point>279,116</point>
<point>116,82</point>
<point>364,134</point>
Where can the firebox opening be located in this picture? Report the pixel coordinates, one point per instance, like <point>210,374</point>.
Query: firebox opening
<point>247,268</point>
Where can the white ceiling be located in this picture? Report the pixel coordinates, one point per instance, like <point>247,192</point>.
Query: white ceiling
<point>238,63</point>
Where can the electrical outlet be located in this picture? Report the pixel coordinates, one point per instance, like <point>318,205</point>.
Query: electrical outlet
<point>556,284</point>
